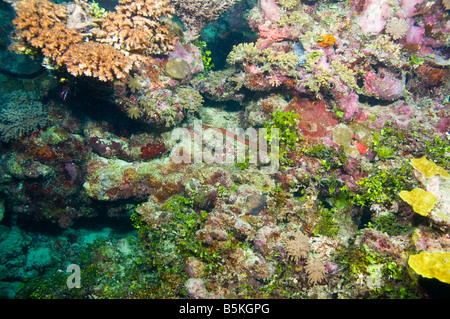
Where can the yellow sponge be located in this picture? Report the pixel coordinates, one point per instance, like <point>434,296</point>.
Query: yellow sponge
<point>422,201</point>
<point>428,168</point>
<point>431,265</point>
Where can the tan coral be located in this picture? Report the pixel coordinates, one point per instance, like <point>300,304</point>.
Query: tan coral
<point>131,33</point>
<point>42,24</point>
<point>97,60</point>
<point>446,4</point>
<point>316,270</point>
<point>135,27</point>
<point>298,247</point>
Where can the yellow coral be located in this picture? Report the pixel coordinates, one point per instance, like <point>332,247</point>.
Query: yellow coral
<point>428,168</point>
<point>422,201</point>
<point>327,40</point>
<point>431,265</point>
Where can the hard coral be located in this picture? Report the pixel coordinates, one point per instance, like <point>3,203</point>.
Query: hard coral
<point>135,27</point>
<point>98,60</point>
<point>41,23</point>
<point>128,35</point>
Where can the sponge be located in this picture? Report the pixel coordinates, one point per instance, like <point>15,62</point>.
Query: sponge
<point>431,265</point>
<point>422,201</point>
<point>428,168</point>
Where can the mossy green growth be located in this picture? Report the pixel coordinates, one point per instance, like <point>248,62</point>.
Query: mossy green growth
<point>386,141</point>
<point>384,186</point>
<point>328,225</point>
<point>287,124</point>
<point>438,151</point>
<point>96,11</point>
<point>364,262</point>
<point>389,224</point>
<point>208,64</point>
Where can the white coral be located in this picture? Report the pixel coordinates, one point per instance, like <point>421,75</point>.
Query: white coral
<point>397,27</point>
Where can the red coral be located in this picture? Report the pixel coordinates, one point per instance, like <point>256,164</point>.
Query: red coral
<point>314,118</point>
<point>153,149</point>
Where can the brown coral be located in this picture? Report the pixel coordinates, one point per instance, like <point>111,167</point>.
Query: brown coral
<point>130,34</point>
<point>135,27</point>
<point>446,4</point>
<point>298,247</point>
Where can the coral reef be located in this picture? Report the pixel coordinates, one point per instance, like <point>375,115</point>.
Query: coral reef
<point>136,127</point>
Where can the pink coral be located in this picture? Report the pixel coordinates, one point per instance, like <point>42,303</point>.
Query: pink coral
<point>415,34</point>
<point>270,9</point>
<point>273,34</point>
<point>384,85</point>
<point>373,18</point>
<point>349,104</point>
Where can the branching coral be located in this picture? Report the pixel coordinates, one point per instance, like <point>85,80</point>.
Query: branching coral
<point>98,60</point>
<point>262,61</point>
<point>135,27</point>
<point>131,33</point>
<point>195,14</point>
<point>446,4</point>
<point>42,24</point>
